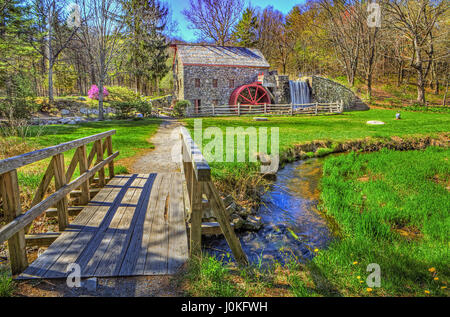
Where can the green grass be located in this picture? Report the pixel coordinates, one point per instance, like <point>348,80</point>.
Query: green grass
<point>337,128</point>
<point>392,209</point>
<point>6,283</point>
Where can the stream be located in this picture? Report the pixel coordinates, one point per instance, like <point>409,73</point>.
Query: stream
<point>292,225</point>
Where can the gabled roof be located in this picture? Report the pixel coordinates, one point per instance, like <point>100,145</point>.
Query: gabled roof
<point>212,55</point>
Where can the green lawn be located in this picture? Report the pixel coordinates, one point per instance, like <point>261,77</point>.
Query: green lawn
<point>391,208</point>
<point>336,128</point>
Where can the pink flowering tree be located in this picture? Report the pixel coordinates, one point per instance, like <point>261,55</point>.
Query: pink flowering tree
<point>93,92</point>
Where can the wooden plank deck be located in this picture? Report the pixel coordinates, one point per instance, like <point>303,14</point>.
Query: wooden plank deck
<point>134,226</point>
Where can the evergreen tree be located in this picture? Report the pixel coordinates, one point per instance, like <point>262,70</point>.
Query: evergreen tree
<point>246,31</point>
<point>146,21</point>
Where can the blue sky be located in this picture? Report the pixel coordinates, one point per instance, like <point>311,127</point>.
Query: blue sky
<point>188,35</point>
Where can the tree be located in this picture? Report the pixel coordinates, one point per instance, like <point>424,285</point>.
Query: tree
<point>102,35</point>
<point>51,35</point>
<point>416,20</point>
<point>146,21</point>
<point>13,46</point>
<point>214,19</point>
<point>246,30</point>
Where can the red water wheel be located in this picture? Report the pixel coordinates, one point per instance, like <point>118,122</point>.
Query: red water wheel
<point>252,94</point>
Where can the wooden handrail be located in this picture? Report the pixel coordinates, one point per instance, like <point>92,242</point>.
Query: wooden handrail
<point>199,184</point>
<point>18,161</point>
<point>23,220</point>
<point>194,155</point>
<point>19,223</point>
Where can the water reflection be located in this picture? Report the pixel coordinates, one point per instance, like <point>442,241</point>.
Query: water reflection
<point>292,225</point>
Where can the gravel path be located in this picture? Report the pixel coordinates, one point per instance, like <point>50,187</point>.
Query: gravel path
<point>166,141</point>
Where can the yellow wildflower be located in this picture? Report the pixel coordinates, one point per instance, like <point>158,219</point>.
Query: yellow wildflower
<point>443,287</point>
<point>316,250</point>
<point>358,277</point>
<point>427,292</point>
<point>356,262</point>
<point>432,269</point>
<point>436,278</point>
<point>369,289</point>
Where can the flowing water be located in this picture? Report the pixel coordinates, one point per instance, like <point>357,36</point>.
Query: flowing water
<point>292,225</point>
<point>300,93</point>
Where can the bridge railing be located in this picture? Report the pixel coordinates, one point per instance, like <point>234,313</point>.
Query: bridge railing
<point>18,223</point>
<point>199,186</point>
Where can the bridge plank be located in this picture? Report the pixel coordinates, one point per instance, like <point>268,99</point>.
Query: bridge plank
<point>40,266</point>
<point>105,254</point>
<point>82,244</point>
<point>157,252</point>
<point>134,226</point>
<point>178,245</point>
<point>149,218</point>
<point>134,239</point>
<point>117,250</point>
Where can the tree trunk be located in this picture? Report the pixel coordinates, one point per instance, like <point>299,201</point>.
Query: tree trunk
<point>444,101</point>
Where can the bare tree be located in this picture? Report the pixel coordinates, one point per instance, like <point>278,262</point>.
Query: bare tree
<point>51,34</point>
<point>343,28</point>
<point>103,36</point>
<point>416,21</point>
<point>214,19</point>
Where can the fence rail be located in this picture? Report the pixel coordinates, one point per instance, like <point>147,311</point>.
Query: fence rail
<point>199,184</point>
<point>268,109</point>
<point>18,223</point>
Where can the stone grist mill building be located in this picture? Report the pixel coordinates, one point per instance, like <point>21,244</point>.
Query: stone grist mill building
<point>207,75</point>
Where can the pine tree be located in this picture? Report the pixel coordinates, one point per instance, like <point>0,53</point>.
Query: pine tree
<point>147,55</point>
<point>245,32</point>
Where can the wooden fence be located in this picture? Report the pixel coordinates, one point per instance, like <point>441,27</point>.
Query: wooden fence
<point>202,193</point>
<point>18,222</point>
<point>268,109</point>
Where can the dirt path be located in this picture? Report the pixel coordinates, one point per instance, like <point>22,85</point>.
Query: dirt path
<point>160,159</point>
<point>157,160</point>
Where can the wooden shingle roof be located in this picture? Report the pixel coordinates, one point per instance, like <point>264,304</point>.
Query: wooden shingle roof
<point>221,56</point>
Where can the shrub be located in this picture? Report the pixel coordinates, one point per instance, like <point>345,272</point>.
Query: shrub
<point>143,107</point>
<point>122,94</point>
<point>123,109</point>
<point>180,108</point>
<point>17,108</point>
<point>93,92</point>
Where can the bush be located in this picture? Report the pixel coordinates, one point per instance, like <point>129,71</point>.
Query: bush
<point>143,107</point>
<point>123,109</point>
<point>17,108</point>
<point>93,92</point>
<point>180,108</point>
<point>121,94</point>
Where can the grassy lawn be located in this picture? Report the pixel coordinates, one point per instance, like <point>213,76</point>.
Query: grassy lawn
<point>390,207</point>
<point>337,128</point>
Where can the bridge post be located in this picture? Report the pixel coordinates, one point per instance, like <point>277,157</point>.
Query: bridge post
<point>60,181</point>
<point>9,188</point>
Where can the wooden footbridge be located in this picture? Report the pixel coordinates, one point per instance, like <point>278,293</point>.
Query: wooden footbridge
<point>124,225</point>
